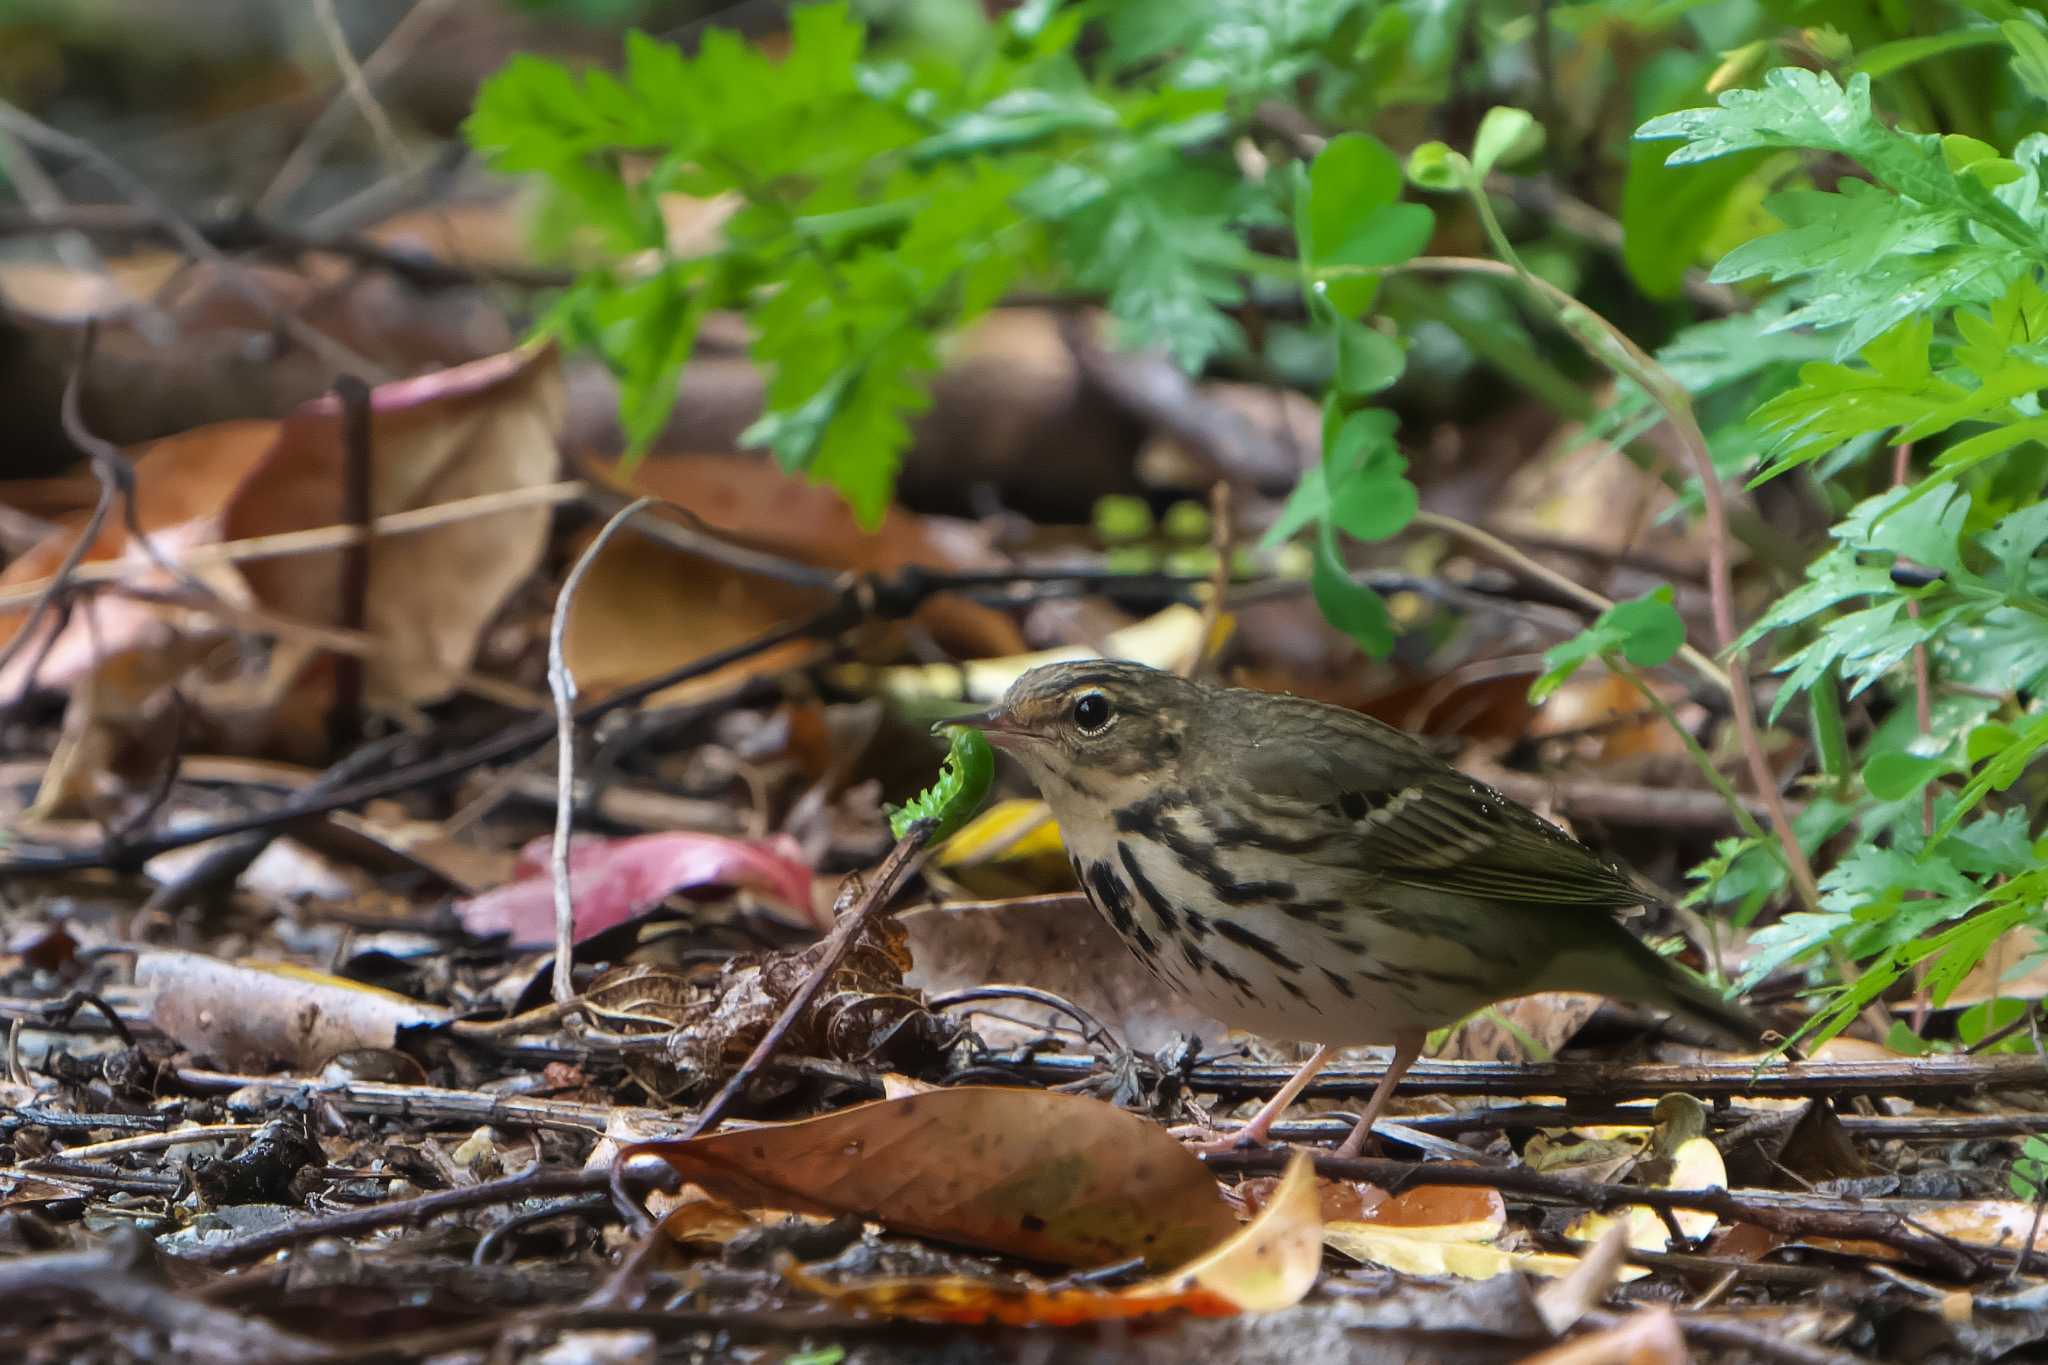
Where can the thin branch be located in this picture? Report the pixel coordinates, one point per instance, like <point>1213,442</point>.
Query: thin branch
<point>345,720</point>
<point>859,903</point>
<point>1792,1214</point>
<point>398,45</point>
<point>1503,552</point>
<point>562,686</point>
<point>335,354</point>
<point>317,538</point>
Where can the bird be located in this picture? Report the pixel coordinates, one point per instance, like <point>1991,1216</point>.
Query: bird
<point>1311,874</point>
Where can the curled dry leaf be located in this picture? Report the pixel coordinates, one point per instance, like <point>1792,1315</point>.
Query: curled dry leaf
<point>612,881</point>
<point>1267,1265</point>
<point>484,427</point>
<point>245,1014</point>
<point>1050,1177</point>
<point>863,1014</point>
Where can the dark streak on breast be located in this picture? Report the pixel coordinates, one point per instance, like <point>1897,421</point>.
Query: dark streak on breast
<point>1258,943</point>
<point>1111,898</point>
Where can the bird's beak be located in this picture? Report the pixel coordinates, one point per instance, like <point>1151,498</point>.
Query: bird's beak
<point>996,722</point>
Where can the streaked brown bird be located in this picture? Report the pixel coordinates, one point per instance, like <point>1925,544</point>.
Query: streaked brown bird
<point>1308,873</point>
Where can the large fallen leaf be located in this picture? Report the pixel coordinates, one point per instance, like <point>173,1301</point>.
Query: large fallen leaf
<point>1050,1177</point>
<point>1269,1264</point>
<point>479,428</point>
<point>1062,946</point>
<point>614,880</point>
<point>258,1013</point>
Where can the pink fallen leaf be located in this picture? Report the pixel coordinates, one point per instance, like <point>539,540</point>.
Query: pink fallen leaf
<point>612,881</point>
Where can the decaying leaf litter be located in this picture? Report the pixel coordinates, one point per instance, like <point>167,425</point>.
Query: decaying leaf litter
<point>288,1071</point>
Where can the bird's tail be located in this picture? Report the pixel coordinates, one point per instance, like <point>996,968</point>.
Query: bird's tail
<point>1627,968</point>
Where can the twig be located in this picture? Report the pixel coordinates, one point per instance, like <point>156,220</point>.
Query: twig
<point>116,1276</point>
<point>335,354</point>
<point>1608,1082</point>
<point>858,904</point>
<point>356,87</point>
<point>112,487</point>
<point>317,538</point>
<point>533,1183</point>
<point>247,232</point>
<point>562,685</point>
<point>1501,551</point>
<point>218,866</point>
<point>857,598</point>
<point>424,1102</point>
<point>345,720</point>
<point>398,45</point>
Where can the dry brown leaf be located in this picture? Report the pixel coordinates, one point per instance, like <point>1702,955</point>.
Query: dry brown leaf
<point>1503,1032</point>
<point>1267,1265</point>
<point>483,427</point>
<point>1061,947</point>
<point>1050,1177</point>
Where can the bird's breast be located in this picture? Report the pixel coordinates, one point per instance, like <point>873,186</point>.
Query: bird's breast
<point>1286,949</point>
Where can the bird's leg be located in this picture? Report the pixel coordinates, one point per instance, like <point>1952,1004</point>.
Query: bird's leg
<point>1253,1134</point>
<point>1407,1047</point>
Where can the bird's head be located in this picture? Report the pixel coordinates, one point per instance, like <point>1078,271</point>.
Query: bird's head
<point>1096,730</point>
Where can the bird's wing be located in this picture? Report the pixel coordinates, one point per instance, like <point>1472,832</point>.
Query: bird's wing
<point>1380,800</point>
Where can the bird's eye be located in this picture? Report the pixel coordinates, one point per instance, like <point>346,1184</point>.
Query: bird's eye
<point>1091,712</point>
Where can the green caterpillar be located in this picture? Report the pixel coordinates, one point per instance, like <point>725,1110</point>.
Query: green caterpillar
<point>962,785</point>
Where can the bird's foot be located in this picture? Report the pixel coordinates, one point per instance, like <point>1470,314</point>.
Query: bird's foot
<point>1205,1141</point>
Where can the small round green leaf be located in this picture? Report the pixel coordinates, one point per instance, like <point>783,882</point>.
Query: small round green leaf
<point>1895,776</point>
<point>1506,135</point>
<point>1367,361</point>
<point>1434,166</point>
<point>1650,626</point>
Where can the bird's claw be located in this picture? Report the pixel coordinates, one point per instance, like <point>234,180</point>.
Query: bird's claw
<point>1204,1141</point>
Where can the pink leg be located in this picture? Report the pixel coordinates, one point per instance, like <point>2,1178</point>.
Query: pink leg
<point>1253,1134</point>
<point>1407,1047</point>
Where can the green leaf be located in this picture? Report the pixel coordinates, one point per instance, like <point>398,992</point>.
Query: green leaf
<point>1347,604</point>
<point>1436,166</point>
<point>1668,215</point>
<point>1506,135</point>
<point>1351,217</point>
<point>2029,55</point>
<point>1886,58</point>
<point>1895,776</point>
<point>1374,505</point>
<point>1310,501</point>
<point>1368,361</point>
<point>1646,630</point>
<point>1922,237</point>
<point>1650,627</point>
